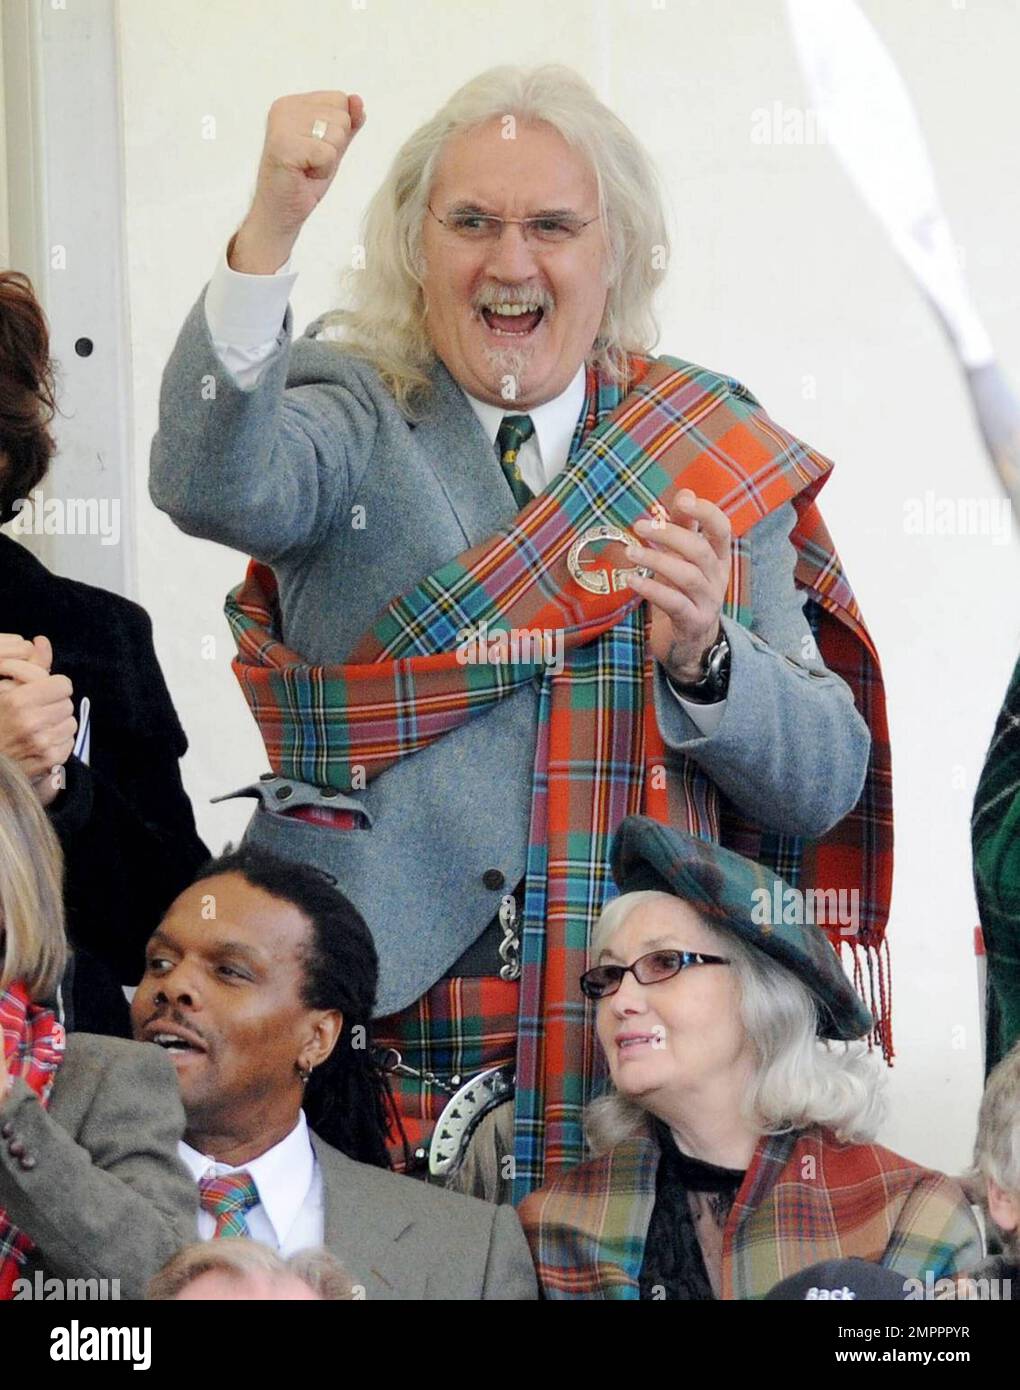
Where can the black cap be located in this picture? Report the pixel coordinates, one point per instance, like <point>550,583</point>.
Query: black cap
<point>835,1280</point>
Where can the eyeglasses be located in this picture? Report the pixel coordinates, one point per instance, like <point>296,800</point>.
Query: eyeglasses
<point>603,980</point>
<point>468,225</point>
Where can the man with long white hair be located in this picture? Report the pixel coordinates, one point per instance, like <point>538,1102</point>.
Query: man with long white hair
<point>479,445</point>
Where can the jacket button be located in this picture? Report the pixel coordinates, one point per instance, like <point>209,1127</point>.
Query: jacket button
<point>283,793</point>
<point>16,1148</point>
<point>7,1129</point>
<point>27,1163</point>
<point>493,878</point>
<point>266,776</point>
<point>329,792</point>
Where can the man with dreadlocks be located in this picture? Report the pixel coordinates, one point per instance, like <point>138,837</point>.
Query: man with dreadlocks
<point>514,580</point>
<point>259,985</point>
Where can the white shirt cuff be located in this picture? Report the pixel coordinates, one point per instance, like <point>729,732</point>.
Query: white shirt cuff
<point>247,311</point>
<point>707,718</point>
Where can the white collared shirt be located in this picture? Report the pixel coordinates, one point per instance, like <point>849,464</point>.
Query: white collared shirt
<point>245,313</point>
<point>545,454</point>
<point>290,1215</point>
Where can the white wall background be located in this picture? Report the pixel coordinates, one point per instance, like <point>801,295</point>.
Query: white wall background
<point>4,239</point>
<point>779,275</point>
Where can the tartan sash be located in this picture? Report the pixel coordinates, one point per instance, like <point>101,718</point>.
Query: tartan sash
<point>33,1046</point>
<point>599,752</point>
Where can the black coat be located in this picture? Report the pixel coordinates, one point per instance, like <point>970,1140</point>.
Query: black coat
<point>125,822</point>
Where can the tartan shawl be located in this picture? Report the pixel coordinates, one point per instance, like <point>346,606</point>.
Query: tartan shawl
<point>995,837</point>
<point>33,1045</point>
<point>599,752</point>
<point>805,1198</point>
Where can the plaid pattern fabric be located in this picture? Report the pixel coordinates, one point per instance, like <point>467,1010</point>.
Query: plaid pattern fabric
<point>995,836</point>
<point>514,431</point>
<point>805,1198</point>
<point>458,1028</point>
<point>723,887</point>
<point>33,1047</point>
<point>229,1198</point>
<point>599,752</point>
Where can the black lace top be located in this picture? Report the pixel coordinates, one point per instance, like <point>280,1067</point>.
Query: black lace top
<point>674,1265</point>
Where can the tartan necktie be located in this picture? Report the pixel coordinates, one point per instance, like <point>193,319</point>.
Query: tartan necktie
<point>229,1198</point>
<point>513,432</point>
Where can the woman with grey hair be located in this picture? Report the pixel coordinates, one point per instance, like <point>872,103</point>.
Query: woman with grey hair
<point>735,1148</point>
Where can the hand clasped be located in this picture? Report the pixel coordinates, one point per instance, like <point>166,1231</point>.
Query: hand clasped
<point>689,557</point>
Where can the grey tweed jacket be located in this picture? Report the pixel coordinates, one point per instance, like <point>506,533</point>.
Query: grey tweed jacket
<point>104,1195</point>
<point>314,471</point>
<point>401,1239</point>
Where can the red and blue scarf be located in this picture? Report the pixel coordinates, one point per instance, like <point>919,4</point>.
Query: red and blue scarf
<point>33,1043</point>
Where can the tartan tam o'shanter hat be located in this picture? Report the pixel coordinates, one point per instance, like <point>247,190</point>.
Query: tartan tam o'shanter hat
<point>750,901</point>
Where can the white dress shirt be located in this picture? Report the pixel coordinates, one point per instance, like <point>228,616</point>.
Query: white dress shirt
<point>245,314</point>
<point>545,454</point>
<point>290,1214</point>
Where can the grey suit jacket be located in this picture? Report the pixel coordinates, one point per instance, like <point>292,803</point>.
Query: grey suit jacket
<point>315,471</point>
<point>400,1239</point>
<point>107,1197</point>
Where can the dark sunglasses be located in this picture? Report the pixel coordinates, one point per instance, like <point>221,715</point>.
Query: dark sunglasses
<point>603,980</point>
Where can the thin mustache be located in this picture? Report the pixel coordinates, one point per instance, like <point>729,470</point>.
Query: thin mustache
<point>172,1016</point>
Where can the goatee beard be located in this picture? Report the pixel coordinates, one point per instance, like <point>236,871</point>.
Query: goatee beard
<point>510,369</point>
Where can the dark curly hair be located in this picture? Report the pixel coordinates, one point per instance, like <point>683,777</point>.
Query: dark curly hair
<point>27,399</point>
<point>348,1102</point>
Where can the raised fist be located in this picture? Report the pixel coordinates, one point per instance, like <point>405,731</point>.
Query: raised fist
<point>306,138</point>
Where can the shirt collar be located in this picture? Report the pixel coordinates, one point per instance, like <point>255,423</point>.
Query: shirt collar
<point>282,1175</point>
<point>554,420</point>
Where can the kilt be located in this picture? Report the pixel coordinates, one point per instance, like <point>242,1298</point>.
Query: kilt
<point>458,1028</point>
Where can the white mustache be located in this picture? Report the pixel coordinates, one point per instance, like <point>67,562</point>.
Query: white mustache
<point>490,296</point>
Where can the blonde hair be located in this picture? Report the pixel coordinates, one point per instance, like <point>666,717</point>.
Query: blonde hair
<point>240,1258</point>
<point>385,323</point>
<point>34,947</point>
<point>801,1080</point>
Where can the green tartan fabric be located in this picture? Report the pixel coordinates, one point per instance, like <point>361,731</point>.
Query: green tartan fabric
<point>805,1198</point>
<point>995,838</point>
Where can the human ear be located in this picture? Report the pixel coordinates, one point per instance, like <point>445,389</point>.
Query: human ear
<point>323,1037</point>
<point>1003,1207</point>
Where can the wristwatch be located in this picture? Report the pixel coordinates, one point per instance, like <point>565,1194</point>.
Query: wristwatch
<point>715,679</point>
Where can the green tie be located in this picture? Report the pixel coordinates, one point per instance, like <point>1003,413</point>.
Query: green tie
<point>513,432</point>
